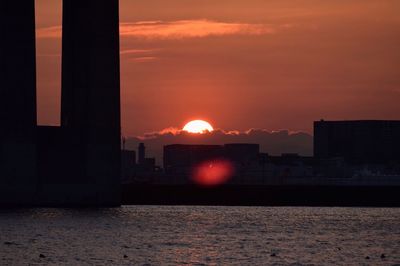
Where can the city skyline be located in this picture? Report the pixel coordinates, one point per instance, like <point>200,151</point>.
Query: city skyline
<point>241,65</point>
<point>89,136</point>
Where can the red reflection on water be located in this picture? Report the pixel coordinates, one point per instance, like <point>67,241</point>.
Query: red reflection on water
<point>212,173</point>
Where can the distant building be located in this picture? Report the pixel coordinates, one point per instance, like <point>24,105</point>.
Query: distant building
<point>358,142</point>
<point>250,166</point>
<point>150,162</point>
<point>180,158</point>
<point>145,164</point>
<point>144,170</point>
<point>242,152</point>
<point>290,165</point>
<point>142,153</point>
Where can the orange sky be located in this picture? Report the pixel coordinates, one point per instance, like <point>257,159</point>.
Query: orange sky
<point>242,64</point>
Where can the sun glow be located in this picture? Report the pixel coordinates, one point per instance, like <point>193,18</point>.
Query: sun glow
<point>198,126</point>
<point>212,173</point>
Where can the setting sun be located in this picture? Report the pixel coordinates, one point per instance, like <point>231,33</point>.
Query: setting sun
<point>198,126</point>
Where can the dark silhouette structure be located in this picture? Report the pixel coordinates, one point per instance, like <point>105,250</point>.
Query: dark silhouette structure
<point>90,105</point>
<point>186,156</point>
<point>250,195</point>
<point>145,166</point>
<point>242,152</point>
<point>180,158</point>
<point>128,164</point>
<point>358,142</point>
<point>78,163</point>
<point>142,153</point>
<point>17,101</point>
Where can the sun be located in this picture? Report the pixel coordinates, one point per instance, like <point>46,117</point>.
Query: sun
<point>198,126</point>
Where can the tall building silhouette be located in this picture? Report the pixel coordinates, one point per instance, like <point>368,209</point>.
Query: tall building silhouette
<point>79,162</point>
<point>90,104</point>
<point>359,142</point>
<point>142,153</point>
<point>17,101</point>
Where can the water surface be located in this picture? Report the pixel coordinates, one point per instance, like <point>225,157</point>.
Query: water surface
<point>169,235</point>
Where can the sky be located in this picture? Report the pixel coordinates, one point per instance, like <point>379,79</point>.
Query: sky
<point>241,64</point>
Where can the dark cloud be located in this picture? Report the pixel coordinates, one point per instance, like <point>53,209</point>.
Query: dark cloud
<point>274,143</point>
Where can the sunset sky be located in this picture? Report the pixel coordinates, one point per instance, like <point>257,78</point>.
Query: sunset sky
<point>242,64</point>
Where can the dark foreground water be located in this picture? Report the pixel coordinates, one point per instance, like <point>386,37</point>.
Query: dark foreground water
<point>164,235</point>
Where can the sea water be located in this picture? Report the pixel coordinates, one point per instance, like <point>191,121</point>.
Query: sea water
<point>195,235</point>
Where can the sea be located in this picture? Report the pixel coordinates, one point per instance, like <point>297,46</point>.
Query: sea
<point>196,235</point>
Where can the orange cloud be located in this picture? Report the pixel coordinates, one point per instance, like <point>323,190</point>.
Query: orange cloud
<point>177,29</point>
<point>49,32</point>
<point>137,51</point>
<point>190,29</point>
<point>144,59</point>
<point>140,55</point>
